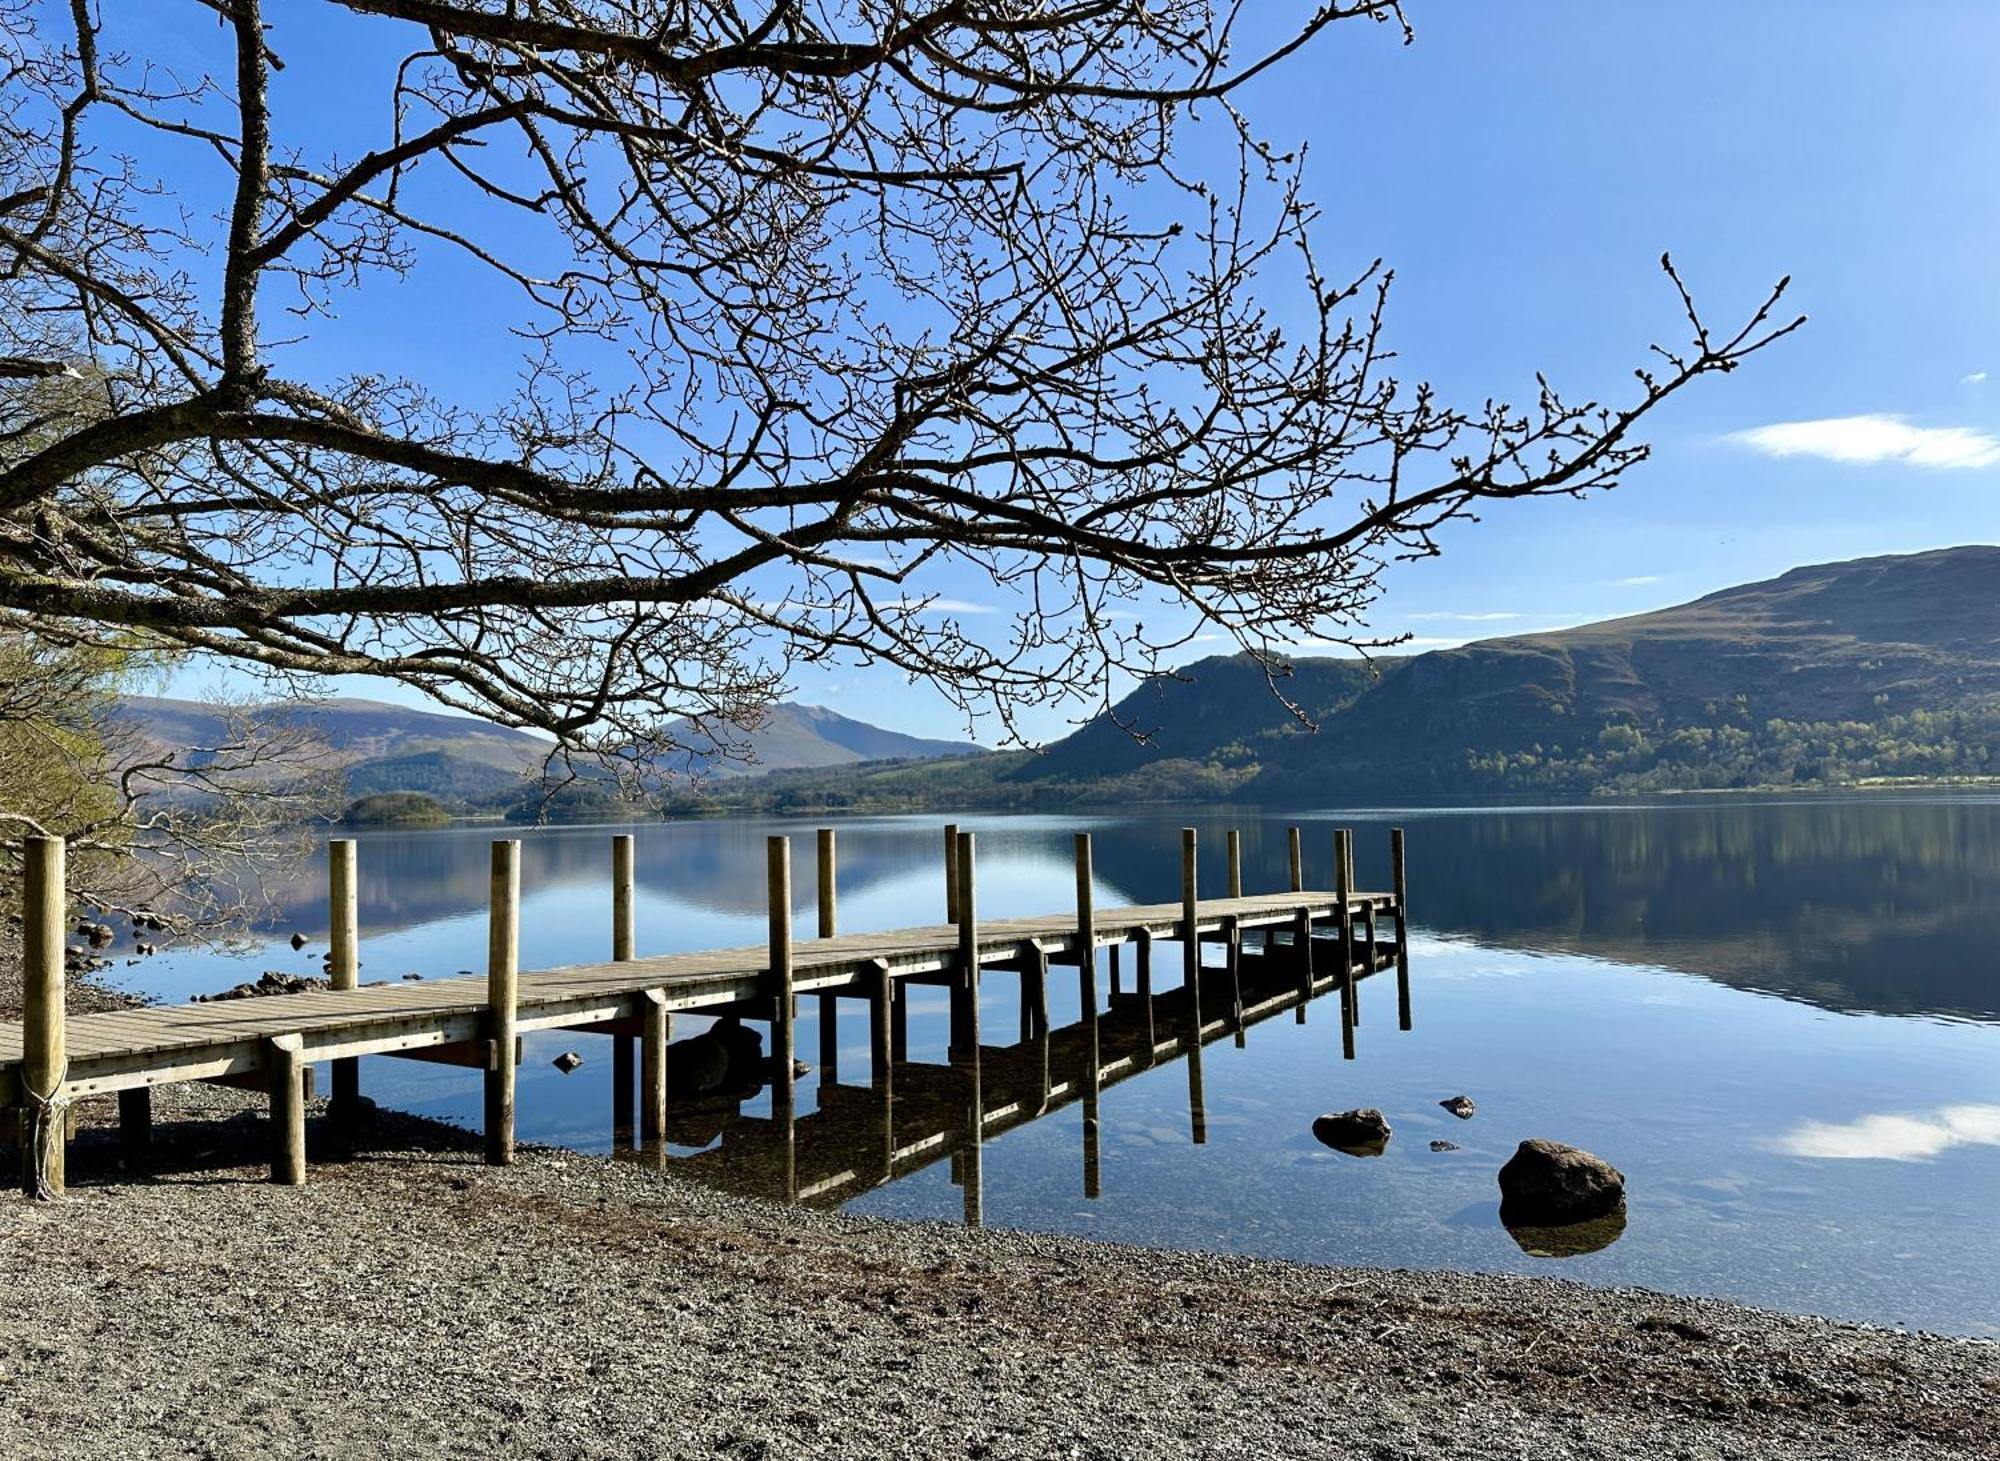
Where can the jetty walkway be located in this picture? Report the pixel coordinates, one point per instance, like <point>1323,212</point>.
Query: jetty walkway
<point>1325,938</point>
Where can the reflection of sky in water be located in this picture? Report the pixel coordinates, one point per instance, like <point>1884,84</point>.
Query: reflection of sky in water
<point>1590,978</point>
<point>1895,1138</point>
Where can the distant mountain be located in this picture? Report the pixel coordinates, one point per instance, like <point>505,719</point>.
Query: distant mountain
<point>795,736</point>
<point>384,748</point>
<point>1876,669</point>
<point>380,747</point>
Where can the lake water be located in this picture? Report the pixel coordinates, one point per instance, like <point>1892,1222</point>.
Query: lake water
<point>1780,1019</point>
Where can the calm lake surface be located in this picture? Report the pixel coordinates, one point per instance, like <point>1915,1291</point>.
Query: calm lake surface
<point>1780,1019</point>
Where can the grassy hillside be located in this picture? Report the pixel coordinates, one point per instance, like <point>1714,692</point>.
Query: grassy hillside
<point>1879,667</point>
<point>1876,669</point>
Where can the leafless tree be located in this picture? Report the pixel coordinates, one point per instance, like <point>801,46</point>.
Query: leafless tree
<point>822,306</point>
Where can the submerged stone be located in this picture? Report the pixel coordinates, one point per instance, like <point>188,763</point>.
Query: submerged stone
<point>1363,1132</point>
<point>1459,1106</point>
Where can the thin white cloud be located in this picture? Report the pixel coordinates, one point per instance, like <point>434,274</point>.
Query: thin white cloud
<point>1895,1138</point>
<point>1492,617</point>
<point>1637,580</point>
<point>1975,378</point>
<point>1865,440</point>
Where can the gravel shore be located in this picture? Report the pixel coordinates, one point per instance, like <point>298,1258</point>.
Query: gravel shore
<point>410,1301</point>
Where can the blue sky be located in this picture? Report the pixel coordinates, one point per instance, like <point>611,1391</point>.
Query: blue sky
<point>1522,167</point>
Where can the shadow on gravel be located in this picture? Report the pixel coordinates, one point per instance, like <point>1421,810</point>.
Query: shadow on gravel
<point>222,1143</point>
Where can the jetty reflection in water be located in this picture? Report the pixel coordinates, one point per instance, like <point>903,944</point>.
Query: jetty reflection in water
<point>919,1113</point>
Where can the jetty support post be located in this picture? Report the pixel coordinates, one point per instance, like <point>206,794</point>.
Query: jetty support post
<point>1298,860</point>
<point>655,1031</point>
<point>624,946</point>
<point>1344,892</point>
<point>44,1042</point>
<point>1401,888</point>
<point>778,878</point>
<point>285,1075</point>
<point>1232,942</point>
<point>881,1054</point>
<point>343,969</point>
<point>1302,952</point>
<point>1142,957</point>
<point>965,987</point>
<point>829,1001</point>
<point>951,872</point>
<point>1086,954</point>
<point>1190,934</point>
<point>1235,863</point>
<point>503,991</point>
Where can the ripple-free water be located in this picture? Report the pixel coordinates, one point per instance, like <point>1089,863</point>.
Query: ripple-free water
<point>1780,1019</point>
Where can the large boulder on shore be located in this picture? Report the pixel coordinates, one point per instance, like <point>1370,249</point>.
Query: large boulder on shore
<point>1548,1183</point>
<point>1359,1133</point>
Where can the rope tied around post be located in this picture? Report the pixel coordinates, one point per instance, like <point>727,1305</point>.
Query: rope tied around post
<point>44,1118</point>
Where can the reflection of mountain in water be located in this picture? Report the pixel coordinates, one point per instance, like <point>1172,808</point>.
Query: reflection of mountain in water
<point>1888,905</point>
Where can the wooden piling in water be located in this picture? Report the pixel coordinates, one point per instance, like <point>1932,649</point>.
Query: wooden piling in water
<point>1298,860</point>
<point>655,1033</point>
<point>1190,933</point>
<point>1232,941</point>
<point>503,989</point>
<point>44,1045</point>
<point>1117,976</point>
<point>1343,892</point>
<point>343,969</point>
<point>1235,863</point>
<point>285,1077</point>
<point>1302,954</point>
<point>778,880</point>
<point>965,987</point>
<point>1086,949</point>
<point>829,1002</point>
<point>1401,887</point>
<point>951,872</point>
<point>1142,958</point>
<point>624,946</point>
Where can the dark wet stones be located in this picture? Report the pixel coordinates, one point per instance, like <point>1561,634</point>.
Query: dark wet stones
<point>1360,1133</point>
<point>298,941</point>
<point>1459,1106</point>
<point>1548,1183</point>
<point>1445,1146</point>
<point>568,1061</point>
<point>270,982</point>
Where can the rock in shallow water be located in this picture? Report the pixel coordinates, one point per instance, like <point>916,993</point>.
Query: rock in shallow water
<point>566,1062</point>
<point>1548,1183</point>
<point>1444,1146</point>
<point>1459,1106</point>
<point>1361,1133</point>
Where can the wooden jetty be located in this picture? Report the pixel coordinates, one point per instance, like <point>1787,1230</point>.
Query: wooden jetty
<point>271,1043</point>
